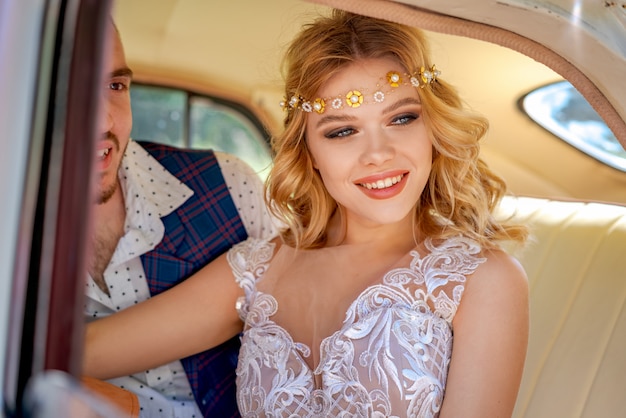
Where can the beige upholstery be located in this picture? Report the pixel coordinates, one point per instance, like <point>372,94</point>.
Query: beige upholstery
<point>576,362</point>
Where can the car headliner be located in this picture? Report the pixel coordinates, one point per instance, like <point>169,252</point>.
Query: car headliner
<point>234,47</point>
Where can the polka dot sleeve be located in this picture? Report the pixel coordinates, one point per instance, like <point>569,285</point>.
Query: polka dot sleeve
<point>246,189</point>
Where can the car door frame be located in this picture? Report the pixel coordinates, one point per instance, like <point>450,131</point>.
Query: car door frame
<point>45,323</point>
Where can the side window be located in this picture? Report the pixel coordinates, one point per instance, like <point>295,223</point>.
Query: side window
<point>159,114</point>
<point>563,111</point>
<point>222,127</point>
<point>189,120</point>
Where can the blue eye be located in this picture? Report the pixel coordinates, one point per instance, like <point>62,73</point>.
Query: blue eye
<point>404,119</point>
<point>339,133</point>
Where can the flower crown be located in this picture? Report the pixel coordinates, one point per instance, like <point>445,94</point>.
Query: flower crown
<point>356,97</point>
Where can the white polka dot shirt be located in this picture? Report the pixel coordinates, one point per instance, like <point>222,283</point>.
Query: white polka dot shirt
<point>150,193</point>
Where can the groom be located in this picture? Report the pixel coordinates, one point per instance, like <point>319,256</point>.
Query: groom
<point>160,214</point>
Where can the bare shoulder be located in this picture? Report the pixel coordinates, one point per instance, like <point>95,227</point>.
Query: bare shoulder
<point>500,270</point>
<point>498,285</point>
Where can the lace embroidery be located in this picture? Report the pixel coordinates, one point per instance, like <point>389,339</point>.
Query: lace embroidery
<point>389,359</point>
<point>248,261</point>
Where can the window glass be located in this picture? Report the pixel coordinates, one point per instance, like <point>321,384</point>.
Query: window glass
<point>183,119</point>
<point>159,114</point>
<point>221,128</point>
<point>562,110</point>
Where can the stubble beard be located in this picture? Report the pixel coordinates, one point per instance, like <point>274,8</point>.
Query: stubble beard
<point>106,194</point>
<point>104,239</point>
<point>107,191</point>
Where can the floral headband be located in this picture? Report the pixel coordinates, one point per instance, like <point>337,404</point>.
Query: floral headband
<point>356,97</point>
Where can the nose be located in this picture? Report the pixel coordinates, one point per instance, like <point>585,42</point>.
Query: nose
<point>105,117</point>
<point>377,148</point>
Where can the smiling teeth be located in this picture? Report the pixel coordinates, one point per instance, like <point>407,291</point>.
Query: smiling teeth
<point>382,184</point>
<point>103,152</point>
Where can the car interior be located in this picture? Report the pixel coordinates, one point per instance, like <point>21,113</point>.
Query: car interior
<point>207,75</point>
<point>576,365</point>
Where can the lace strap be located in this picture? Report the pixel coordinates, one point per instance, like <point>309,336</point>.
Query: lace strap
<point>249,261</point>
<point>445,272</point>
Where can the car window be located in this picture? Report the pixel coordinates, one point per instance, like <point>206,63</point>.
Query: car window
<point>185,119</point>
<point>562,110</point>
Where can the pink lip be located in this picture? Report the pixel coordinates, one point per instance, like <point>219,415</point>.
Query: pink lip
<point>380,176</point>
<point>103,163</point>
<point>387,192</point>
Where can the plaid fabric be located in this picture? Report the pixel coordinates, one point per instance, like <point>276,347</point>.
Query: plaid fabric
<point>204,227</point>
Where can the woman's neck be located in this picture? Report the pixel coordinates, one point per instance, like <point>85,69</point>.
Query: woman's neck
<point>401,235</point>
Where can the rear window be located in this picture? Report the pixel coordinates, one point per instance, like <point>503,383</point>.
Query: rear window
<point>189,120</point>
<point>562,110</point>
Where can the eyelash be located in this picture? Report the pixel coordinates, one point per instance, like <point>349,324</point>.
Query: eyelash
<point>408,118</point>
<point>401,120</point>
<point>339,133</point>
<point>121,86</point>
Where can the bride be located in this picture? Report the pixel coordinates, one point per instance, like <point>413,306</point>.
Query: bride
<point>388,293</point>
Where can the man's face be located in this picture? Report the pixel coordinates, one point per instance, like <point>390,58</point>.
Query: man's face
<point>115,119</point>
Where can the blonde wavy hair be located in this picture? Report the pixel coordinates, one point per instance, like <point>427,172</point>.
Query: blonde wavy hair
<point>461,192</point>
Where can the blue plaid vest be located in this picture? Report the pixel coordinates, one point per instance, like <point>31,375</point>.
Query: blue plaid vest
<point>204,227</point>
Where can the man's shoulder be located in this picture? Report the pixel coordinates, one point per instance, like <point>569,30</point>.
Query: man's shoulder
<point>234,166</point>
<point>205,165</point>
<point>176,159</point>
<point>162,151</point>
<point>180,161</point>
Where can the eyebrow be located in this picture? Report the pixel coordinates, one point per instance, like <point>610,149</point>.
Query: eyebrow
<point>400,103</point>
<point>122,72</point>
<point>348,118</point>
<point>334,118</point>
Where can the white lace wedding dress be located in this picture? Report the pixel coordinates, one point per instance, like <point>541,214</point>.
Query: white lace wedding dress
<point>389,359</point>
